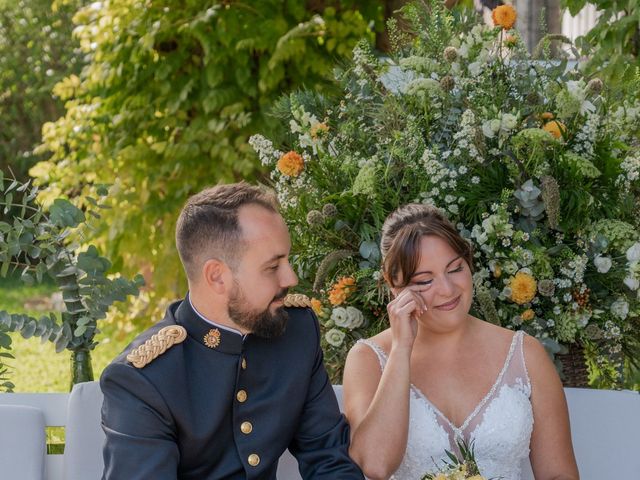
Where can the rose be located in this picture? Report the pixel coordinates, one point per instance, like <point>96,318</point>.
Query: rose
<point>339,317</point>
<point>349,317</point>
<point>354,317</point>
<point>603,264</point>
<point>334,337</point>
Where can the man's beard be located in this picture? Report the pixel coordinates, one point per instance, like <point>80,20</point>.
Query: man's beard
<point>260,323</point>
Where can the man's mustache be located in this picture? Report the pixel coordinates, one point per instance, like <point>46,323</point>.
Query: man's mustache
<point>283,293</point>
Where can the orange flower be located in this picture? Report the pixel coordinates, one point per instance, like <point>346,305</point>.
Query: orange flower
<point>527,315</point>
<point>341,290</point>
<point>546,116</point>
<point>291,164</point>
<point>504,16</point>
<point>555,128</point>
<point>316,305</point>
<point>523,288</point>
<point>319,130</point>
<point>510,41</point>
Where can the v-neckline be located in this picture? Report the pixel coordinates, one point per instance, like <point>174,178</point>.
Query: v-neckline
<point>458,430</point>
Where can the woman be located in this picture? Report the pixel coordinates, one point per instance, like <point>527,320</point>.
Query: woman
<point>439,375</point>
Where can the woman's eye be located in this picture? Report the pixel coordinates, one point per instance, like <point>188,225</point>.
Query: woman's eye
<point>459,269</point>
<point>424,282</point>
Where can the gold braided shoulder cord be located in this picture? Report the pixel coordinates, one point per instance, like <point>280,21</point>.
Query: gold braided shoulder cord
<point>157,345</point>
<point>297,300</point>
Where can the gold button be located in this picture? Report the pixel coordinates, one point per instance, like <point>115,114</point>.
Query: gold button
<point>253,460</point>
<point>246,428</point>
<point>241,396</point>
<point>244,364</point>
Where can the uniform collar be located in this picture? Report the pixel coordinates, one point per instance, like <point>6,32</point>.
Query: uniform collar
<point>206,332</point>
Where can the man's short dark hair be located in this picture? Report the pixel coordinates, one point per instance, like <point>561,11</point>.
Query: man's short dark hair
<point>208,224</point>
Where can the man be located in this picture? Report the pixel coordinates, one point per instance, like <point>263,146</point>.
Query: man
<point>230,378</point>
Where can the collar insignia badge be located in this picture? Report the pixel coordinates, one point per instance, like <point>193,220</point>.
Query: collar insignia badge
<point>212,338</point>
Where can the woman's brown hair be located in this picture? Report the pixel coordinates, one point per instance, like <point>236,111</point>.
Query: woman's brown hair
<point>400,243</point>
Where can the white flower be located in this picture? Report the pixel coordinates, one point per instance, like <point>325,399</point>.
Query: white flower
<point>509,121</point>
<point>603,264</point>
<point>354,317</point>
<point>334,337</point>
<point>620,308</point>
<point>633,253</point>
<point>632,283</point>
<point>339,317</point>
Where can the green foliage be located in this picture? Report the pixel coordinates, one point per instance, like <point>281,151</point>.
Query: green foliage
<point>166,104</point>
<point>35,243</point>
<point>536,166</point>
<point>36,52</point>
<point>613,44</point>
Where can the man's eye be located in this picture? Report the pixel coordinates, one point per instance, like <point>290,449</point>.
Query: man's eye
<point>273,268</point>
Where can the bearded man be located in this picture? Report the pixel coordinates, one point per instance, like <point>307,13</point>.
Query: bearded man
<point>232,376</point>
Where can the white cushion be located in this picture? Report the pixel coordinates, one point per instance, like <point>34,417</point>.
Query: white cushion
<point>22,442</point>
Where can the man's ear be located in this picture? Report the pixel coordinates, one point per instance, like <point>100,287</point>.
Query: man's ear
<point>215,274</point>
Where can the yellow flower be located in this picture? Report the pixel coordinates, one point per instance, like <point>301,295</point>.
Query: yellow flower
<point>504,16</point>
<point>527,315</point>
<point>316,305</point>
<point>523,288</point>
<point>440,476</point>
<point>341,290</point>
<point>476,477</point>
<point>497,271</point>
<point>546,116</point>
<point>555,128</point>
<point>291,164</point>
<point>319,130</point>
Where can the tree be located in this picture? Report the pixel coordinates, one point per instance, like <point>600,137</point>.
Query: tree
<point>36,52</point>
<point>167,101</point>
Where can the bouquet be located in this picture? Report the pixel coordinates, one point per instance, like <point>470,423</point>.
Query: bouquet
<point>458,468</point>
<point>536,164</point>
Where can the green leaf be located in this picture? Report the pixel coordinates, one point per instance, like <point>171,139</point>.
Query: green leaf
<point>65,214</point>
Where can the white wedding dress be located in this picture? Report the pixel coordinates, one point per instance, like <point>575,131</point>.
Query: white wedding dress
<point>500,426</point>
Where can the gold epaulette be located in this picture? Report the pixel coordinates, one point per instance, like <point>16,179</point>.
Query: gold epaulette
<point>297,300</point>
<point>157,345</point>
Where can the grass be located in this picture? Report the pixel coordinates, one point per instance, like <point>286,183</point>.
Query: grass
<point>37,367</point>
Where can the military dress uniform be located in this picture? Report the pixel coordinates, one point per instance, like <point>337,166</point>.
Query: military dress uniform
<point>190,401</point>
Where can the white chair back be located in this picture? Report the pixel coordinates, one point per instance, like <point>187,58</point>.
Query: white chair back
<point>84,435</point>
<point>22,442</point>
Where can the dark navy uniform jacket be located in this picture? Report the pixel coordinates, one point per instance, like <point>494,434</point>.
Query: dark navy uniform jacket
<point>199,412</point>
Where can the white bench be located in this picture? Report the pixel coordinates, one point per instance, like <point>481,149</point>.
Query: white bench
<point>605,426</point>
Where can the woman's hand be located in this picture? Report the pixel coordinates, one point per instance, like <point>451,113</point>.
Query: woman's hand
<point>404,311</point>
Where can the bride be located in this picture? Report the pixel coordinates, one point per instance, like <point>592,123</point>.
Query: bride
<point>440,375</point>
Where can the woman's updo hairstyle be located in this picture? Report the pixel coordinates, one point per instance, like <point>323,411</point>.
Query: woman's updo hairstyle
<point>400,243</point>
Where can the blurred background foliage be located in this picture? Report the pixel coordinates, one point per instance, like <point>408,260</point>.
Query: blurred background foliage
<point>36,52</point>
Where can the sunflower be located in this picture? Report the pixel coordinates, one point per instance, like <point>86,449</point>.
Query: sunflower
<point>504,16</point>
<point>523,288</point>
<point>291,164</point>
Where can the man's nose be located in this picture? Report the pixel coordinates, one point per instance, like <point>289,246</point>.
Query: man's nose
<point>289,278</point>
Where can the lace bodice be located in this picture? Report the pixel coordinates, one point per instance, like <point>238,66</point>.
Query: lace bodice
<point>500,426</point>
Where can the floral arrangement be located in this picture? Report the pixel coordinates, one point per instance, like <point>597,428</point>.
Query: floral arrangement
<point>537,165</point>
<point>461,467</point>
